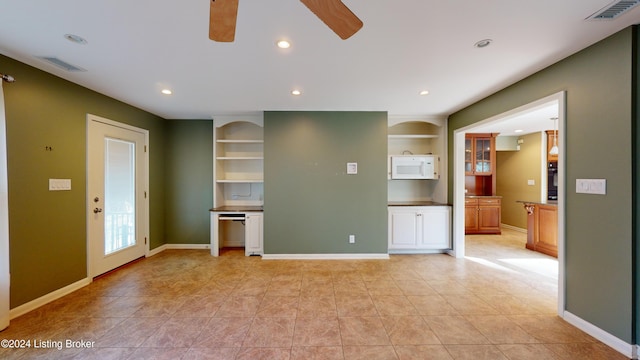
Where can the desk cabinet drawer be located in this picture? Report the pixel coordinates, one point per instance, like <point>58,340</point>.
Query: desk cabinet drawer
<point>488,202</point>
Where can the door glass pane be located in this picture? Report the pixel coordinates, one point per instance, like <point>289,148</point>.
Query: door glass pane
<point>120,190</point>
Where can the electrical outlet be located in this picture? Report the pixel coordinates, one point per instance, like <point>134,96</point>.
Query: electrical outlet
<point>352,239</point>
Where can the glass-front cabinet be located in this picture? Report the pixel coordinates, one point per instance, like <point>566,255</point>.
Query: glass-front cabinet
<point>479,151</point>
<point>483,156</point>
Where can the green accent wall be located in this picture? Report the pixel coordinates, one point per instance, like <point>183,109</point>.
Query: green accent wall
<point>189,181</point>
<point>599,142</point>
<point>311,205</point>
<point>47,229</point>
<point>513,169</point>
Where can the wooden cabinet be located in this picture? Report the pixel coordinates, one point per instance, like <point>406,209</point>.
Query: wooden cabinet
<point>542,228</point>
<point>480,164</point>
<point>479,154</point>
<point>414,229</point>
<point>482,215</point>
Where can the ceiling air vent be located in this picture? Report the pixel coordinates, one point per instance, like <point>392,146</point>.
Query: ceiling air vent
<point>614,10</point>
<point>61,64</point>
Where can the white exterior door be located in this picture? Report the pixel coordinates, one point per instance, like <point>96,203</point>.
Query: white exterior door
<point>117,216</point>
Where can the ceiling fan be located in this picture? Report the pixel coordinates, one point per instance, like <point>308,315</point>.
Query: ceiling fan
<point>334,13</point>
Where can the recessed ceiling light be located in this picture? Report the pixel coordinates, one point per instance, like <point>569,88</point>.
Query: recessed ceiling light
<point>166,91</point>
<point>424,92</point>
<point>517,131</point>
<point>296,92</point>
<point>483,43</point>
<point>283,44</point>
<point>75,39</point>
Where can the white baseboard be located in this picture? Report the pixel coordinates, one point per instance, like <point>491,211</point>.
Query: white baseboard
<point>54,295</point>
<point>164,247</point>
<point>514,228</point>
<point>325,257</point>
<point>628,350</point>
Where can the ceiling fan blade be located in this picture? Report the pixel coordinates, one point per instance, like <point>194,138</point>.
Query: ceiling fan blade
<point>336,15</point>
<point>222,20</point>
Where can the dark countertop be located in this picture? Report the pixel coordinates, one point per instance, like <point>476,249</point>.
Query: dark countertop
<point>237,209</point>
<point>543,202</point>
<point>415,203</point>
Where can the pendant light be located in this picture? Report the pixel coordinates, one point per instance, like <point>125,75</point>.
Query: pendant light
<point>554,148</point>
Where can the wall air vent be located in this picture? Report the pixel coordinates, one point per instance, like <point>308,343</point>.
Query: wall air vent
<point>614,10</point>
<point>61,64</point>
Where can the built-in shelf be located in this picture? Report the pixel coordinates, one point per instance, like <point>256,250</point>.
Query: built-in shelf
<point>238,160</point>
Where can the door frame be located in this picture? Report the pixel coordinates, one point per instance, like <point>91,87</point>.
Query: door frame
<point>458,184</point>
<point>145,184</point>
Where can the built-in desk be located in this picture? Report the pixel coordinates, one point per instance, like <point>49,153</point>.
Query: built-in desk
<point>542,226</point>
<point>248,216</point>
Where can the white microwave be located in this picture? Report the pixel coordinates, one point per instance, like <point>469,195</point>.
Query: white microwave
<point>414,167</point>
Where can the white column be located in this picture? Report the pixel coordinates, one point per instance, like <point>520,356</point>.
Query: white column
<point>4,220</point>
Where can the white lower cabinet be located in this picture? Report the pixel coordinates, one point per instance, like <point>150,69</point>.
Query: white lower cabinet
<point>237,229</point>
<point>253,244</point>
<point>414,229</point>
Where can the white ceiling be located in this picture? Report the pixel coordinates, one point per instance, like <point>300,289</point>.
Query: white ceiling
<point>136,48</point>
<point>534,119</point>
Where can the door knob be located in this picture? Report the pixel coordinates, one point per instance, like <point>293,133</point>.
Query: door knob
<point>97,210</point>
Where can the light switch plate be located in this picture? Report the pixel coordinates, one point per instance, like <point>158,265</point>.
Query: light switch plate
<point>531,182</point>
<point>352,168</point>
<point>59,184</point>
<point>591,186</point>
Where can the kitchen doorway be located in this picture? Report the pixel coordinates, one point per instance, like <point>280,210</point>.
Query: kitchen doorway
<point>459,182</point>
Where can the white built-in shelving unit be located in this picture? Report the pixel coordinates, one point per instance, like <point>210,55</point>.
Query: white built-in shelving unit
<point>238,160</point>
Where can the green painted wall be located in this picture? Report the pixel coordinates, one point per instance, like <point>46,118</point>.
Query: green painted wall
<point>189,181</point>
<point>311,205</point>
<point>47,230</point>
<point>598,138</point>
<point>513,169</point>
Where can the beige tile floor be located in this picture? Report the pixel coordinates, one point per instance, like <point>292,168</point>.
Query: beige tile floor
<point>498,303</point>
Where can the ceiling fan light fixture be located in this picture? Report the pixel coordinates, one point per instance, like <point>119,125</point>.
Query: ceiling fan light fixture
<point>296,92</point>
